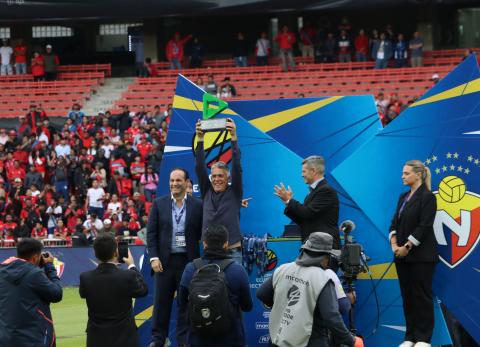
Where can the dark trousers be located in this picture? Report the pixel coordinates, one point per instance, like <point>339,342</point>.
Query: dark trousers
<point>416,287</point>
<point>166,284</point>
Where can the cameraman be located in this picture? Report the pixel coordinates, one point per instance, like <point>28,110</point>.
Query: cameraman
<point>304,303</point>
<point>28,284</point>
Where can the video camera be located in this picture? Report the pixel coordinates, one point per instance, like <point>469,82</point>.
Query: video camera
<point>352,259</point>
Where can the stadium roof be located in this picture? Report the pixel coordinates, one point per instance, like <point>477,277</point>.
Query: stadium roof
<point>12,10</point>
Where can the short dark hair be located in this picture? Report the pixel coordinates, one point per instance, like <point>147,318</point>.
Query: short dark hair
<point>185,172</point>
<point>28,247</point>
<point>215,236</point>
<point>105,246</point>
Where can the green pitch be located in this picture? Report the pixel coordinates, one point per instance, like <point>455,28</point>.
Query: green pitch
<point>70,318</point>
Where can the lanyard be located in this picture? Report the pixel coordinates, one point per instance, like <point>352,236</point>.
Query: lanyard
<point>407,199</point>
<point>178,217</point>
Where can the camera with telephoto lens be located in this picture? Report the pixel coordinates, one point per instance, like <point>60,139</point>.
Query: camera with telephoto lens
<point>217,124</point>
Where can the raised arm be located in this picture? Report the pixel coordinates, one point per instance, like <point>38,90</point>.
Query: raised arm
<point>200,165</point>
<point>237,180</point>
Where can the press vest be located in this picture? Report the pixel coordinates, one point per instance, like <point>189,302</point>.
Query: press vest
<point>296,290</point>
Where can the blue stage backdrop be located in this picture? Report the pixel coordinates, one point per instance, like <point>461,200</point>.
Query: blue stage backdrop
<point>442,129</point>
<point>337,133</point>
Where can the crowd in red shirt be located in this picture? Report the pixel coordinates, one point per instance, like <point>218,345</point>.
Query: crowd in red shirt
<point>91,175</point>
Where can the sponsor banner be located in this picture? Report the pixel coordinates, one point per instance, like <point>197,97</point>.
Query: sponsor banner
<point>71,262</point>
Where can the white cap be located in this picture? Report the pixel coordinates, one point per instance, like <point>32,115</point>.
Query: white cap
<point>107,221</point>
<point>435,76</point>
<point>48,46</point>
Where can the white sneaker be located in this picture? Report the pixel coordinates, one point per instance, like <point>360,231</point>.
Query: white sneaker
<point>422,344</point>
<point>407,344</point>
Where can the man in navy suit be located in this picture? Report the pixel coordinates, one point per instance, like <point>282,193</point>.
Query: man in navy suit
<point>319,211</point>
<point>173,239</point>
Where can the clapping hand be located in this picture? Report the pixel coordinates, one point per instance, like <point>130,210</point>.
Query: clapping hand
<point>283,193</point>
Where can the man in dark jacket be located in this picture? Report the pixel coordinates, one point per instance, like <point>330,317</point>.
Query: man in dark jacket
<point>33,177</point>
<point>173,238</point>
<point>215,243</point>
<point>319,211</point>
<point>222,201</point>
<point>109,291</point>
<point>28,284</point>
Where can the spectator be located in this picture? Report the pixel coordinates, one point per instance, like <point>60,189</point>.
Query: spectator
<point>416,47</point>
<point>175,51</point>
<point>33,177</point>
<point>95,198</point>
<point>391,114</point>
<point>211,87</point>
<point>307,38</point>
<point>6,53</point>
<point>110,316</point>
<point>63,148</point>
<point>149,181</point>
<point>382,102</point>
<point>92,226</point>
<point>150,68</point>
<point>76,115</point>
<point>39,232</point>
<point>28,284</point>
<point>344,48</point>
<point>20,53</point>
<point>196,53</point>
<point>467,53</point>
<point>262,49</point>
<point>435,78</point>
<point>54,213</point>
<point>400,52</point>
<point>330,47</point>
<point>199,82</point>
<point>361,46</point>
<point>382,52</point>
<point>374,39</point>
<point>286,40</point>
<point>79,239</point>
<point>227,90</point>
<point>51,63</point>
<point>215,243</point>
<point>240,51</point>
<point>38,67</point>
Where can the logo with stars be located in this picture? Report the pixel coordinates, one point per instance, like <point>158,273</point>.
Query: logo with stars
<point>457,222</point>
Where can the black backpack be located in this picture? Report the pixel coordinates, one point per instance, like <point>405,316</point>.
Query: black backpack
<point>209,308</point>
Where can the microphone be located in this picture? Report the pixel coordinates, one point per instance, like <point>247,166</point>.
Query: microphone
<point>347,226</point>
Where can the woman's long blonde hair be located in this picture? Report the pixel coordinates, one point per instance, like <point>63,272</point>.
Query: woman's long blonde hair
<point>418,167</point>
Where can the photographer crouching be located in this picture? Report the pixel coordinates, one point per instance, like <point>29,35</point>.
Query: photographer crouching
<point>28,284</point>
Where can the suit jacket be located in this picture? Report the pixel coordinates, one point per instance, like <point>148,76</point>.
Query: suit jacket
<point>416,223</point>
<point>109,291</point>
<point>160,227</point>
<point>319,212</point>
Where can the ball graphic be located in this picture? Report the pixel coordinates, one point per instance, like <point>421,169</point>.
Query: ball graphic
<point>452,189</point>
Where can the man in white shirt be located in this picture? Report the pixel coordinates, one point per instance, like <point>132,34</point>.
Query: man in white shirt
<point>94,201</point>
<point>63,148</point>
<point>93,225</point>
<point>262,49</point>
<point>6,53</point>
